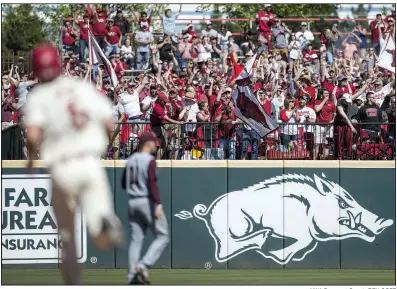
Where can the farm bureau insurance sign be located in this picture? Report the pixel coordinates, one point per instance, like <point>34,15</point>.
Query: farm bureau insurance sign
<point>29,230</point>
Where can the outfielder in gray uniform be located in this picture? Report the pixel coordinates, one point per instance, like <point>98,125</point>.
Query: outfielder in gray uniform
<point>145,210</point>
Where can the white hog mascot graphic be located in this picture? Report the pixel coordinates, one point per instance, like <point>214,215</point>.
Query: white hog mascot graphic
<point>299,209</point>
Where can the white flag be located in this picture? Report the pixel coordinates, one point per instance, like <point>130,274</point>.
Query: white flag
<point>97,57</point>
<point>387,56</point>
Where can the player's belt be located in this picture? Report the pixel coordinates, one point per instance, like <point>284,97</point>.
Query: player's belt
<point>76,156</point>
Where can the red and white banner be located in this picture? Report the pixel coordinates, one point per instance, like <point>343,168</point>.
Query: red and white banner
<point>387,56</point>
<point>97,57</point>
<point>247,106</point>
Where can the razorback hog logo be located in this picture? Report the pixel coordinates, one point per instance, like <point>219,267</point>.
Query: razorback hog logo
<point>298,210</point>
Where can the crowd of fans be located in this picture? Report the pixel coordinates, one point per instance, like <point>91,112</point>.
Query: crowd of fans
<point>184,81</point>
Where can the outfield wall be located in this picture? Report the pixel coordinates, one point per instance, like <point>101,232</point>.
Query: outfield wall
<point>277,214</point>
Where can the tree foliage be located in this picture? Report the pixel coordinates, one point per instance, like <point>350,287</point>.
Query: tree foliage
<point>22,28</point>
<point>281,10</point>
<point>54,14</point>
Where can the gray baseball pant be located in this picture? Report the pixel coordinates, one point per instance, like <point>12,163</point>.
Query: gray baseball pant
<point>141,216</point>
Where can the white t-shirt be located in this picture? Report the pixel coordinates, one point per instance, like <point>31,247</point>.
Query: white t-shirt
<point>192,110</point>
<point>306,36</point>
<point>127,51</point>
<point>224,39</point>
<point>380,95</point>
<point>131,104</point>
<point>72,115</point>
<point>149,100</point>
<point>306,112</point>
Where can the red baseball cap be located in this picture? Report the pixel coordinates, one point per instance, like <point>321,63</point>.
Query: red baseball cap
<point>182,93</point>
<point>149,136</point>
<point>162,96</point>
<point>46,62</point>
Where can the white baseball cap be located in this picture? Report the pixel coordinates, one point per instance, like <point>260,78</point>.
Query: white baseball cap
<point>303,23</point>
<point>314,56</point>
<point>346,97</point>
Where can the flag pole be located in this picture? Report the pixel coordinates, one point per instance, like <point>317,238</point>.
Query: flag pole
<point>89,55</point>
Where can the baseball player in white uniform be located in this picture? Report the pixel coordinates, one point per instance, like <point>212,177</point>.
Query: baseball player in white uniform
<point>70,122</point>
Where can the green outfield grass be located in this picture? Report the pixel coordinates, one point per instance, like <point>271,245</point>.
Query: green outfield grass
<point>208,277</point>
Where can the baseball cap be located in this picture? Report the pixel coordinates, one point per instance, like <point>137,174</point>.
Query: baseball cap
<point>99,10</point>
<point>278,20</point>
<point>119,10</point>
<point>130,85</point>
<point>209,23</point>
<point>46,62</point>
<point>110,20</point>
<point>162,96</point>
<point>313,56</point>
<point>149,136</point>
<point>228,89</point>
<point>301,98</point>
<point>346,97</point>
<point>190,89</point>
<point>303,24</point>
<point>249,53</point>
<point>342,77</point>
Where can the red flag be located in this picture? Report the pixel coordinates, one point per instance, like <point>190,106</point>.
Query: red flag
<point>89,9</point>
<point>237,68</point>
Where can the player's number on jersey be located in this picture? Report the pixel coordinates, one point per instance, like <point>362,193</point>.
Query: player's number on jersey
<point>79,117</point>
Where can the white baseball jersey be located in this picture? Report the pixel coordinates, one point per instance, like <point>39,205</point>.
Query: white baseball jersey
<point>72,115</point>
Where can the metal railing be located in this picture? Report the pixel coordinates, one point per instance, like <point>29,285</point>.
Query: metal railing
<point>219,141</point>
<point>215,141</point>
<point>12,145</point>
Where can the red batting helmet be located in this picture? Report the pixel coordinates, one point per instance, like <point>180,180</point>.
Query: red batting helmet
<point>46,62</point>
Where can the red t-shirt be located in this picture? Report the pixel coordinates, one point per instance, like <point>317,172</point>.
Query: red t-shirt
<point>216,110</point>
<point>341,90</point>
<point>212,100</point>
<point>308,55</point>
<point>119,67</point>
<point>12,90</point>
<point>257,86</point>
<point>227,130</point>
<point>173,109</point>
<point>312,92</point>
<point>328,86</point>
<point>374,32</point>
<point>267,107</point>
<point>326,114</point>
<point>99,27</point>
<point>84,27</point>
<point>67,38</point>
<point>158,114</point>
<point>113,35</point>
<point>266,20</point>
